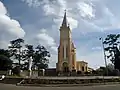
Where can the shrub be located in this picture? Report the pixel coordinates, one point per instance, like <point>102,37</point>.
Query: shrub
<point>16,71</point>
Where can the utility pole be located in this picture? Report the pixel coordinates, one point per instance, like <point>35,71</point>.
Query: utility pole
<point>104,55</point>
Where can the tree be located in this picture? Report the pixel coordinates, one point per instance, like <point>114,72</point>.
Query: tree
<point>5,52</point>
<point>15,49</point>
<point>110,67</point>
<point>28,52</point>
<point>5,62</point>
<point>110,72</point>
<point>16,71</point>
<point>117,59</point>
<point>40,58</point>
<point>111,42</point>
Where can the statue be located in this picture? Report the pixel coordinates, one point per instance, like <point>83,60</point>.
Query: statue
<point>30,66</point>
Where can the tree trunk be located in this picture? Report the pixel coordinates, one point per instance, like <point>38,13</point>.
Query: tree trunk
<point>19,58</point>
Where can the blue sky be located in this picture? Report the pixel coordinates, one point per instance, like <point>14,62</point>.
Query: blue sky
<point>38,22</point>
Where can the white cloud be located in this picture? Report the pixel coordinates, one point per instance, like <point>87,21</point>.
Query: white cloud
<point>56,10</point>
<point>2,9</point>
<point>86,10</point>
<point>9,28</point>
<point>73,22</point>
<point>94,12</point>
<point>46,40</point>
<point>97,48</point>
<point>48,9</point>
<point>3,44</point>
<point>34,3</point>
<point>9,25</point>
<point>53,61</point>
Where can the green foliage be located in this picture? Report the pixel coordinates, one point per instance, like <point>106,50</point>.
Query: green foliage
<point>5,63</point>
<point>40,58</point>
<point>15,49</point>
<point>16,43</point>
<point>4,52</point>
<point>16,71</point>
<point>109,71</point>
<point>25,66</point>
<point>112,42</point>
<point>29,52</point>
<point>39,54</point>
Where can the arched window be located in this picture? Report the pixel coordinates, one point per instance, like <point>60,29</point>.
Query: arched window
<point>73,58</point>
<point>86,68</point>
<point>63,52</point>
<point>66,52</point>
<point>83,68</point>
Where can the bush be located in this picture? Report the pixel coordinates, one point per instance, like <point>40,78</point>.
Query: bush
<point>5,63</point>
<point>16,71</point>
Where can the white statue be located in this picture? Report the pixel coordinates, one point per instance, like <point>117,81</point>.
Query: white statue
<point>2,77</point>
<point>30,65</point>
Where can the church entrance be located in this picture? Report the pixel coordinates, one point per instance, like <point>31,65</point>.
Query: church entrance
<point>65,67</point>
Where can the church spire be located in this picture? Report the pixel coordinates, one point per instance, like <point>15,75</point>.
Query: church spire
<point>64,23</point>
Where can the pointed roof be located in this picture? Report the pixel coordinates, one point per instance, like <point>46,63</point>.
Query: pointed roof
<point>64,23</point>
<point>73,45</point>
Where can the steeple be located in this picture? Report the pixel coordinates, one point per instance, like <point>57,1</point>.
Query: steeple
<point>64,23</point>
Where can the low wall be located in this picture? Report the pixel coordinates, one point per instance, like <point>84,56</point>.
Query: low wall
<point>60,80</point>
<point>26,73</point>
<point>70,80</point>
<point>3,72</point>
<point>11,80</point>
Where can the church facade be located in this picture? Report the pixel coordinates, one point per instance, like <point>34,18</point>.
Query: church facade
<point>67,51</point>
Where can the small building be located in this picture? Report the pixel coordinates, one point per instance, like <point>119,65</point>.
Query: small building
<point>82,66</point>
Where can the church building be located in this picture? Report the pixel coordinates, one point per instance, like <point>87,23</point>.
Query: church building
<point>67,51</point>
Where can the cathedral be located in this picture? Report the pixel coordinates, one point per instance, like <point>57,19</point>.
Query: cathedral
<point>67,51</point>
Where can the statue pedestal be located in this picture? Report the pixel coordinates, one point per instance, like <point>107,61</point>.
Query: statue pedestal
<point>29,73</point>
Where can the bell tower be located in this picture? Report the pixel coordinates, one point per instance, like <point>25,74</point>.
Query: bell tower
<point>65,62</point>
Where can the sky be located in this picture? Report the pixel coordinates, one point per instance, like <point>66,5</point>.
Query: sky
<point>38,22</point>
